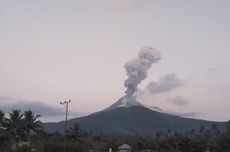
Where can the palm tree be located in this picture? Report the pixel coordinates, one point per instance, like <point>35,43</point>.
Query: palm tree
<point>31,123</point>
<point>4,138</point>
<point>15,124</point>
<point>2,119</point>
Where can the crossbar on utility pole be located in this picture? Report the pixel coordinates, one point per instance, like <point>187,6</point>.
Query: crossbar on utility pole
<point>66,104</point>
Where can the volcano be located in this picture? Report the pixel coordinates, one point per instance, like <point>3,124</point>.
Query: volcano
<point>129,117</point>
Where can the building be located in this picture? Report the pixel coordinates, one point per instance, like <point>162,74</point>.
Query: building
<point>124,148</point>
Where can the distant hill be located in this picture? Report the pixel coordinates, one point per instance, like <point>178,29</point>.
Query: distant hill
<point>132,120</point>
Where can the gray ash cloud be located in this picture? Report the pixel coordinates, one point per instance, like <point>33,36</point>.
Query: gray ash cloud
<point>137,69</point>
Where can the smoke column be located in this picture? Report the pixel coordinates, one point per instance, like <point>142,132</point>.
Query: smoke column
<point>137,69</point>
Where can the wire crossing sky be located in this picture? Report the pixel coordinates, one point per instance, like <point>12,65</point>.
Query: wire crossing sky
<point>53,50</point>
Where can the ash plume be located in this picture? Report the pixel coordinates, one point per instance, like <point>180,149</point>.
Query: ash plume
<point>137,69</point>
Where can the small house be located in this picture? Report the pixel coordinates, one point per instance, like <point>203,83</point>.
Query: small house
<point>125,148</point>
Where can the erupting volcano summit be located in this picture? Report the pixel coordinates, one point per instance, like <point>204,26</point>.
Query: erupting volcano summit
<point>137,71</point>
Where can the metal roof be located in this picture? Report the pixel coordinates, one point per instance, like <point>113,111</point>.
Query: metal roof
<point>125,146</point>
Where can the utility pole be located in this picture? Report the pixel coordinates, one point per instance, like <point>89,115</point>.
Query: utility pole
<point>66,104</point>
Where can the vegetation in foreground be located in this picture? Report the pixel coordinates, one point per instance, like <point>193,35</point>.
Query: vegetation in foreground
<point>23,132</point>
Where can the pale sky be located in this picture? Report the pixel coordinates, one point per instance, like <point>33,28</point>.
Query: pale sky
<point>52,50</point>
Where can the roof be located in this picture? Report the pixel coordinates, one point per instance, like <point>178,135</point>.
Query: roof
<point>125,146</point>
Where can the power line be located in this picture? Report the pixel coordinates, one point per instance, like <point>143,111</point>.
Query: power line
<point>21,83</point>
<point>24,81</point>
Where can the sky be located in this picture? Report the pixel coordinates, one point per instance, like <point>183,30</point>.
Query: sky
<point>52,51</point>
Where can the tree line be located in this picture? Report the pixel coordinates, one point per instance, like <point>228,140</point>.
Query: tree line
<point>24,132</point>
<point>18,126</point>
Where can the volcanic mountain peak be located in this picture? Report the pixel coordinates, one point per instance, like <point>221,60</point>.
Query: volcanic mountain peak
<point>127,102</point>
<point>124,102</point>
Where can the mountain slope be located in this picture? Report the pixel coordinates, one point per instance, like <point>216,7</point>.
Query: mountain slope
<point>133,120</point>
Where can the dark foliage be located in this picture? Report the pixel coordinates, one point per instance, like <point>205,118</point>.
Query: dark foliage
<point>199,140</point>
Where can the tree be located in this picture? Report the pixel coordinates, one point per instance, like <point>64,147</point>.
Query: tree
<point>202,129</point>
<point>31,123</point>
<point>228,126</point>
<point>4,136</point>
<point>15,124</point>
<point>192,132</point>
<point>74,132</point>
<point>2,119</point>
<point>169,132</point>
<point>214,130</point>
